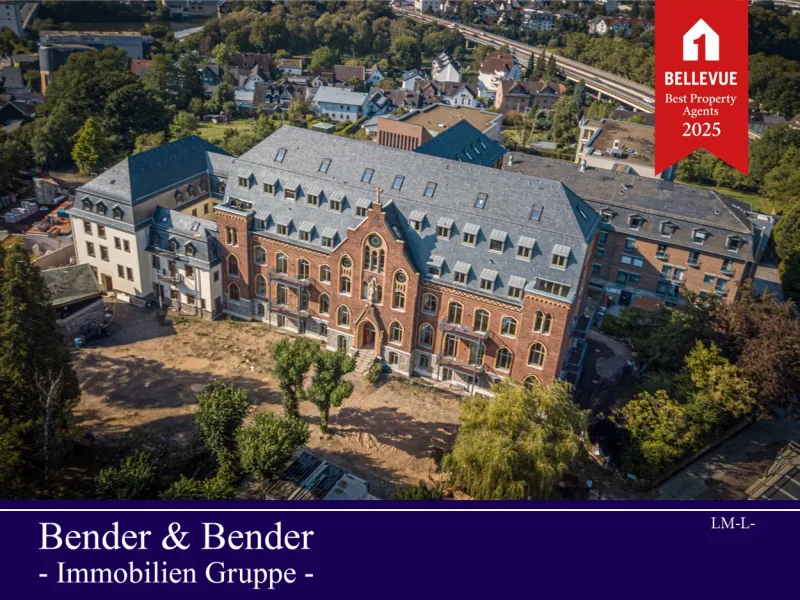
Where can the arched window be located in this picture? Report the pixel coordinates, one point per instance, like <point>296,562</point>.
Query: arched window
<point>537,354</point>
<point>117,212</point>
<point>260,255</point>
<point>481,322</point>
<point>190,191</point>
<point>303,269</point>
<point>509,327</point>
<point>543,322</point>
<point>189,250</point>
<point>325,274</point>
<point>374,254</point>
<point>503,359</point>
<point>399,292</point>
<point>174,245</point>
<point>345,284</point>
<point>87,204</point>
<point>532,381</point>
<point>221,187</point>
<point>343,316</point>
<point>302,299</point>
<point>426,336</point>
<point>261,285</point>
<point>324,304</point>
<point>454,310</point>
<point>101,208</point>
<point>233,292</point>
<point>233,266</point>
<point>281,263</point>
<point>396,333</point>
<point>430,303</point>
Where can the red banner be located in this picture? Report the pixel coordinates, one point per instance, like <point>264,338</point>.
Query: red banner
<point>701,80</point>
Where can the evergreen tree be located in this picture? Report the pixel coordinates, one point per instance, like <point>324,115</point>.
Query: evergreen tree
<point>221,409</point>
<point>531,66</point>
<point>92,149</point>
<point>327,388</point>
<point>551,70</point>
<point>38,385</point>
<point>579,93</point>
<point>538,69</point>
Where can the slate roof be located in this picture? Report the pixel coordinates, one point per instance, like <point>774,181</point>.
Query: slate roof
<point>565,220</point>
<point>199,233</point>
<point>511,86</point>
<point>71,284</point>
<point>334,95</point>
<point>465,143</point>
<point>11,77</point>
<point>444,59</point>
<point>657,202</point>
<point>141,176</point>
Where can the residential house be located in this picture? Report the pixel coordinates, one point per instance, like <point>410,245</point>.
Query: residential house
<point>11,17</point>
<point>248,60</point>
<point>347,74</point>
<point>464,143</point>
<point>245,91</point>
<point>403,98</point>
<point>409,78</point>
<point>497,67</point>
<point>12,80</point>
<point>341,105</point>
<point>659,237</point>
<point>522,96</point>
<point>413,129</point>
<point>113,215</point>
<point>374,76</point>
<point>291,66</point>
<point>423,5</point>
<point>620,147</point>
<point>13,112</point>
<point>439,268</point>
<point>538,20</point>
<point>449,92</point>
<point>446,68</point>
<point>191,9</point>
<point>139,66</point>
<point>76,298</point>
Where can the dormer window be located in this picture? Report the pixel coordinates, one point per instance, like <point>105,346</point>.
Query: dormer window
<point>668,228</point>
<point>324,165</point>
<point>361,211</point>
<point>174,245</point>
<point>101,208</point>
<point>635,222</point>
<point>480,201</point>
<point>515,286</point>
<point>461,272</point>
<point>280,155</point>
<point>417,220</point>
<point>430,189</point>
<point>269,188</point>
<point>189,250</point>
<point>699,236</point>
<point>312,200</point>
<point>190,191</point>
<point>367,176</point>
<point>290,193</point>
<point>335,204</point>
<point>734,243</point>
<point>560,256</point>
<point>497,241</point>
<point>397,184</point>
<point>87,204</point>
<point>607,216</point>
<point>488,277</point>
<point>469,235</point>
<point>282,229</point>
<point>244,182</point>
<point>443,228</point>
<point>117,212</point>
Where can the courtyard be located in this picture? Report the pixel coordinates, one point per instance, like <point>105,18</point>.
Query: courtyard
<point>139,390</point>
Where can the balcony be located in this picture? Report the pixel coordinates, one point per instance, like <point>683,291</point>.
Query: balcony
<point>289,311</point>
<point>459,365</point>
<point>466,334</point>
<point>662,255</point>
<point>174,279</point>
<point>730,271</point>
<point>287,279</point>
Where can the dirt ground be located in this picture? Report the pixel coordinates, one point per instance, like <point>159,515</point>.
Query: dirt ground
<point>139,390</point>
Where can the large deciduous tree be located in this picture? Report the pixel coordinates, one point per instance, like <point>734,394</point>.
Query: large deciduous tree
<point>518,444</point>
<point>291,360</point>
<point>221,409</point>
<point>92,149</point>
<point>266,445</point>
<point>327,387</point>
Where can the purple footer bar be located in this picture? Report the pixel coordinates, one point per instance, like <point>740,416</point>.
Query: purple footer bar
<point>398,549</point>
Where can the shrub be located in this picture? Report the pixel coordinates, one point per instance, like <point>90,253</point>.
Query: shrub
<point>373,373</point>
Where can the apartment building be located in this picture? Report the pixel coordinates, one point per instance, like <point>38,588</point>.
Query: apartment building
<point>146,228</point>
<point>497,67</point>
<point>522,96</point>
<point>658,237</point>
<point>443,269</point>
<point>620,147</point>
<point>11,16</point>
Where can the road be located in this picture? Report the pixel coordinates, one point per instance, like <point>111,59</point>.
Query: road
<point>636,95</point>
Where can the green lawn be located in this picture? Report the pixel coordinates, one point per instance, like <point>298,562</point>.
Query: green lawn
<point>759,203</point>
<point>215,133</point>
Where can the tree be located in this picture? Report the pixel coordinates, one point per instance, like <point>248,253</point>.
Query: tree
<point>579,93</point>
<point>518,444</point>
<point>551,70</point>
<point>218,487</point>
<point>468,12</point>
<point>92,149</point>
<point>539,68</point>
<point>222,54</point>
<point>12,452</point>
<point>787,245</point>
<point>298,109</point>
<point>134,479</point>
<point>531,67</point>
<point>37,383</point>
<point>565,120</point>
<point>291,360</point>
<point>267,444</point>
<point>221,409</point>
<point>417,492</point>
<point>162,78</point>
<point>405,52</point>
<point>191,84</point>
<point>15,155</point>
<point>148,141</point>
<point>263,127</point>
<point>766,154</point>
<point>33,80</point>
<point>223,93</point>
<point>327,388</point>
<point>197,106</point>
<point>322,58</point>
<point>183,125</point>
<point>599,110</point>
<point>131,111</point>
<point>782,184</point>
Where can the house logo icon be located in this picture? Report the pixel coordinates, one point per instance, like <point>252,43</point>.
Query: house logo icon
<point>691,45</point>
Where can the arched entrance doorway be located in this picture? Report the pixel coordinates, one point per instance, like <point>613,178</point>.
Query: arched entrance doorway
<point>368,336</point>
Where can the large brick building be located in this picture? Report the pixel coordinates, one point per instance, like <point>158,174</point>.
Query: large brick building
<point>442,269</point>
<point>659,237</point>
